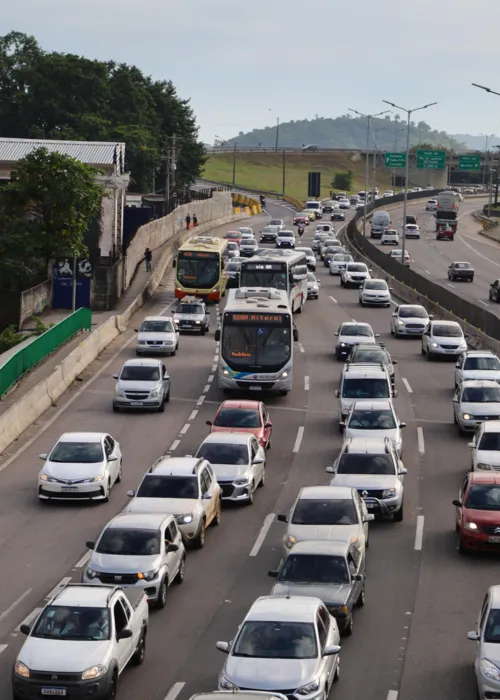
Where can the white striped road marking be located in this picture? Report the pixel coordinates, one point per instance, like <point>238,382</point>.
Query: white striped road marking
<point>268,521</point>
<point>450,285</point>
<point>13,605</point>
<point>334,300</point>
<point>306,383</point>
<point>210,379</point>
<point>216,358</point>
<point>174,691</point>
<point>174,445</point>
<point>483,302</point>
<point>298,439</point>
<point>392,695</point>
<point>81,563</point>
<point>32,616</point>
<point>3,647</point>
<point>207,388</point>
<point>214,368</point>
<point>420,440</point>
<point>62,583</point>
<point>427,273</point>
<point>200,400</point>
<point>184,429</point>
<point>407,385</point>
<point>419,534</point>
<point>301,347</point>
<point>193,414</point>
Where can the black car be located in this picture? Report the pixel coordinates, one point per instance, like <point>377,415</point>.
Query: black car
<point>337,216</point>
<point>495,291</point>
<point>232,273</point>
<point>461,271</point>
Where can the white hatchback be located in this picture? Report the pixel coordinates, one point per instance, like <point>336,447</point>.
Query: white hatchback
<point>390,237</point>
<point>412,231</point>
<point>485,447</point>
<point>375,292</point>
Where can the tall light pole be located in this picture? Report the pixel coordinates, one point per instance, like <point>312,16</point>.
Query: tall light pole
<point>487,137</point>
<point>368,118</point>
<point>409,112</point>
<point>277,131</point>
<point>487,89</point>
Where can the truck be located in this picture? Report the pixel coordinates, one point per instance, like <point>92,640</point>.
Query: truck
<point>81,642</point>
<point>447,214</point>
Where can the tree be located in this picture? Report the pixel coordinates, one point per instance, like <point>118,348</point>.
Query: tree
<point>44,212</point>
<point>343,181</point>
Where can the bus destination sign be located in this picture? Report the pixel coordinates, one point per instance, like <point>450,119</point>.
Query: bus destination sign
<point>257,318</point>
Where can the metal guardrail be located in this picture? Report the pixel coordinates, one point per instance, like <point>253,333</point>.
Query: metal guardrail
<point>31,355</point>
<point>487,222</point>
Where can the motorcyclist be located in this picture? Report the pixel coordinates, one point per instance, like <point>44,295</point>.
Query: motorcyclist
<point>300,229</point>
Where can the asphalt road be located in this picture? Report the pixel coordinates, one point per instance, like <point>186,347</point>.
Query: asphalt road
<point>422,597</point>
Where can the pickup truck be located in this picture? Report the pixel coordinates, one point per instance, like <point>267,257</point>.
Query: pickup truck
<point>81,642</point>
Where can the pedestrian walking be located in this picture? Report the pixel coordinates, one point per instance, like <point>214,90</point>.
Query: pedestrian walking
<point>188,222</point>
<point>195,221</point>
<point>148,256</point>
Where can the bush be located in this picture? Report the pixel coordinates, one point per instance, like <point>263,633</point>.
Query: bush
<point>9,338</point>
<point>343,181</point>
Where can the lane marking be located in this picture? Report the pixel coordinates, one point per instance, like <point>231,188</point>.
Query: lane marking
<point>420,440</point>
<point>298,439</point>
<point>214,368</point>
<point>427,273</point>
<point>174,691</point>
<point>334,300</point>
<point>210,379</point>
<point>216,358</point>
<point>482,302</point>
<point>207,388</point>
<point>392,695</point>
<point>81,563</point>
<point>193,414</point>
<point>306,383</point>
<point>3,647</point>
<point>174,445</point>
<point>13,605</point>
<point>450,285</point>
<point>268,521</point>
<point>407,385</point>
<point>200,400</point>
<point>62,583</point>
<point>184,428</point>
<point>419,534</point>
<point>301,347</point>
<point>33,614</point>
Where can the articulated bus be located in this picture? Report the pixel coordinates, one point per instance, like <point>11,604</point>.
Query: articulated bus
<point>256,341</point>
<point>200,264</point>
<point>280,269</point>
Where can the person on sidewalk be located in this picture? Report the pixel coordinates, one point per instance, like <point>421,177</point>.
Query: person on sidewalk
<point>188,222</point>
<point>148,257</point>
<point>195,221</point>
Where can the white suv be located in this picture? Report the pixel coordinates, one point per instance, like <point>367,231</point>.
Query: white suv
<point>185,487</point>
<point>285,239</point>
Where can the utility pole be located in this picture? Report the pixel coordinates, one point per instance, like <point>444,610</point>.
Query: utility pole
<point>277,132</point>
<point>374,175</point>
<point>284,171</point>
<point>234,163</point>
<point>170,168</point>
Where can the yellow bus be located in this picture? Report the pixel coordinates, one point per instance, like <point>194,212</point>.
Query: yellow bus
<point>200,263</point>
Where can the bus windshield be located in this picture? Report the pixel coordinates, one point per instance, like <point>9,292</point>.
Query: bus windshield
<point>198,270</point>
<point>248,345</point>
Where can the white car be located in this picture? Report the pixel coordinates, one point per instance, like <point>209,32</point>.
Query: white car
<point>326,513</point>
<point>477,364</point>
<point>474,402</point>
<point>338,263</point>
<point>375,292</point>
<point>313,286</point>
<point>390,237</point>
<point>182,486</point>
<point>360,205</point>
<point>375,419</point>
<point>81,466</point>
<point>354,274</point>
<point>485,447</point>
<point>239,463</point>
<point>285,239</point>
<point>352,333</point>
<point>412,231</point>
<point>443,338</point>
<point>157,335</point>
<point>388,193</point>
<point>431,205</point>
<point>409,320</point>
<point>246,232</point>
<point>397,254</point>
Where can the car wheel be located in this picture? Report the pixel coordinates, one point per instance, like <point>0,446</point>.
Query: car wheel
<point>106,495</point>
<point>269,444</point>
<point>461,548</point>
<point>348,627</point>
<point>430,355</point>
<point>251,495</point>
<point>216,519</point>
<point>161,407</point>
<point>120,473</point>
<point>337,670</point>
<point>263,479</point>
<point>461,431</point>
<point>422,350</point>
<point>167,396</point>
<point>161,601</point>
<point>398,517</point>
<point>203,331</point>
<point>199,540</point>
<point>283,392</point>
<point>182,571</point>
<point>138,354</point>
<point>111,694</point>
<point>362,598</point>
<point>115,408</point>
<point>173,352</point>
<point>140,651</point>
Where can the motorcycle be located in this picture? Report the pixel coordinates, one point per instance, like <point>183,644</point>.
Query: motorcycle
<point>300,231</point>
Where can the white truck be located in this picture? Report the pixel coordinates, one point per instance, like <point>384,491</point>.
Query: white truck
<point>81,642</point>
<point>447,207</point>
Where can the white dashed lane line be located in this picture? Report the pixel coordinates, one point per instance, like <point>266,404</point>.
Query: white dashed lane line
<point>64,582</point>
<point>482,302</point>
<point>14,605</point>
<point>420,441</point>
<point>3,647</point>
<point>392,695</point>
<point>32,616</point>
<point>419,534</point>
<point>268,521</point>
<point>301,347</point>
<point>407,385</point>
<point>210,379</point>
<point>306,383</point>
<point>451,285</point>
<point>193,414</point>
<point>174,691</point>
<point>298,439</point>
<point>174,445</point>
<point>207,388</point>
<point>200,401</point>
<point>185,428</point>
<point>81,563</point>
<point>334,300</point>
<point>214,367</point>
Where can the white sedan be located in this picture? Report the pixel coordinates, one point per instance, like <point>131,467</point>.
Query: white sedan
<point>375,292</point>
<point>81,466</point>
<point>390,237</point>
<point>412,231</point>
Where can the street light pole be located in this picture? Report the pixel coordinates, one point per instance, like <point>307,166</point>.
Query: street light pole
<point>277,130</point>
<point>368,118</point>
<point>234,163</point>
<point>409,112</point>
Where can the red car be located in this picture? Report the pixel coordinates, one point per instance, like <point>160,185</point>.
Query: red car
<point>244,417</point>
<point>478,512</point>
<point>301,219</point>
<point>234,236</point>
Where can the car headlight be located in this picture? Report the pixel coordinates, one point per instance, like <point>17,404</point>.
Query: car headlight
<point>21,669</point>
<point>283,375</point>
<point>466,416</point>
<point>308,689</point>
<point>342,345</point>
<point>389,493</point>
<point>141,342</point>
<point>176,321</point>
<point>241,482</point>
<point>148,575</point>
<point>198,322</point>
<point>99,477</point>
<point>483,465</point>
<point>225,372</point>
<point>94,672</point>
<point>156,392</point>
<point>434,345</point>
<point>185,519</point>
<point>400,322</point>
<point>227,685</point>
<point>490,670</point>
<point>290,541</point>
<point>91,573</point>
<point>119,392</point>
<point>44,477</point>
<point>470,526</point>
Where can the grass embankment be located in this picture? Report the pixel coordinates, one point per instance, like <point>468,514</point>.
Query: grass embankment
<point>265,170</point>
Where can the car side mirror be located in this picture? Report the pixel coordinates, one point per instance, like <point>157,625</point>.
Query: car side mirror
<point>207,496</point>
<point>90,545</point>
<point>342,424</point>
<point>394,362</point>
<point>337,333</point>
<point>377,335</point>
<point>358,577</point>
<point>171,548</point>
<point>454,400</point>
<point>209,422</point>
<point>394,313</point>
<point>337,393</point>
<point>473,636</point>
<point>368,518</point>
<point>136,330</point>
<point>268,425</point>
<point>457,503</point>
<point>295,335</point>
<point>331,650</point>
<point>273,573</point>
<point>258,460</point>
<point>115,376</point>
<point>471,444</point>
<point>130,494</point>
<point>44,455</point>
<point>391,289</point>
<point>282,518</point>
<point>112,458</point>
<point>431,316</point>
<point>330,470</point>
<point>126,633</point>
<point>402,425</point>
<point>25,629</point>
<point>223,646</point>
<point>217,335</point>
<point>403,471</point>
<point>395,393</point>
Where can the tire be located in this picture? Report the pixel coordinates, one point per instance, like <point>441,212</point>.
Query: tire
<point>430,356</point>
<point>216,519</point>
<point>337,671</point>
<point>422,351</point>
<point>172,354</point>
<point>347,629</point>
<point>161,407</point>
<point>283,392</point>
<point>262,481</point>
<point>115,408</point>
<point>108,490</point>
<point>161,601</point>
<point>120,474</point>
<point>138,354</point>
<point>111,694</point>
<point>398,517</point>
<point>269,444</point>
<point>199,540</point>
<point>362,598</point>
<point>460,546</point>
<point>251,496</point>
<point>203,331</point>
<point>182,572</point>
<point>167,397</point>
<point>140,652</point>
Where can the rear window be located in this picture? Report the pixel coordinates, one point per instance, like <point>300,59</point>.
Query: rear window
<point>447,331</point>
<point>365,388</point>
<point>462,266</point>
<point>349,329</point>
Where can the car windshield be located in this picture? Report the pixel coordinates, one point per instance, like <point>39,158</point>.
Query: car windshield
<point>276,640</point>
<point>224,453</point>
<point>364,331</point>
<point>232,236</point>
<point>447,331</point>
<point>314,568</point>
<point>275,222</point>
<point>412,312</point>
<point>483,497</point>
<point>482,363</point>
<point>492,627</point>
<point>362,356</point>
<point>138,543</point>
<point>376,284</point>
<point>340,257</point>
<point>382,419</point>
<point>490,441</point>
<point>79,624</point>
<point>140,373</point>
<point>365,464</point>
<point>159,486</point>
<point>481,394</point>
<point>157,327</point>
<point>311,277</point>
<point>462,266</point>
<point>324,512</point>
<point>361,267</point>
<point>366,388</point>
<point>232,246</point>
<point>77,452</point>
<point>307,251</point>
<point>286,234</point>
<point>238,418</point>
<point>249,242</point>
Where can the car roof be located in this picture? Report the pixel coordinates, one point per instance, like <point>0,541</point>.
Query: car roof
<point>324,547</point>
<point>369,346</point>
<point>82,437</point>
<point>143,362</point>
<point>480,353</point>
<point>412,306</point>
<point>366,445</point>
<point>238,403</point>
<point>332,493</point>
<point>156,318</point>
<point>488,477</point>
<point>282,609</point>
<point>242,695</point>
<point>478,383</point>
<point>376,279</point>
<point>176,466</point>
<point>230,438</point>
<point>378,405</point>
<point>491,426</point>
<point>452,324</point>
<point>355,323</point>
<point>359,371</point>
<point>138,521</point>
<point>460,262</point>
<point>84,595</point>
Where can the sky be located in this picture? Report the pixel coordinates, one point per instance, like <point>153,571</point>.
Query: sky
<point>245,64</point>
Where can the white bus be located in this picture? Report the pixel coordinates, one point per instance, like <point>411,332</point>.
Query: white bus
<point>285,270</point>
<point>256,341</point>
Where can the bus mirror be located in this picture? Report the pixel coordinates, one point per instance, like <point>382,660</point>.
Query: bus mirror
<point>217,335</point>
<point>174,262</point>
<point>295,335</point>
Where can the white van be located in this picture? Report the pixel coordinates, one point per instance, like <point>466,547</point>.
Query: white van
<point>316,206</point>
<point>380,221</point>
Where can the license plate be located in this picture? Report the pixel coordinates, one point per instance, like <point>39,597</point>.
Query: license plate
<point>494,540</point>
<point>136,403</point>
<point>255,388</point>
<point>70,488</point>
<point>53,691</point>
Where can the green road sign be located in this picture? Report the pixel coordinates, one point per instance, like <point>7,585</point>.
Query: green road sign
<point>395,160</point>
<point>431,160</point>
<point>469,162</point>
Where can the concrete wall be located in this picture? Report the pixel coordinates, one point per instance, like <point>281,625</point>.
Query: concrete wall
<point>34,301</point>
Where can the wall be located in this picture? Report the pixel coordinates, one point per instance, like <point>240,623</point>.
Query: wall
<point>107,286</point>
<point>33,301</point>
<point>9,308</point>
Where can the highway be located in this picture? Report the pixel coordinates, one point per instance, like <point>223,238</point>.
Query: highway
<point>422,596</point>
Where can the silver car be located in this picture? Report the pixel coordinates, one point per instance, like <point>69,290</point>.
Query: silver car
<point>248,247</point>
<point>409,320</point>
<point>284,642</point>
<point>157,335</point>
<point>142,384</point>
<point>313,286</point>
<point>487,663</point>
<point>142,551</point>
<point>477,364</point>
<point>443,338</point>
<point>339,262</point>
<point>310,257</point>
<point>233,250</point>
<point>375,419</point>
<point>475,401</point>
